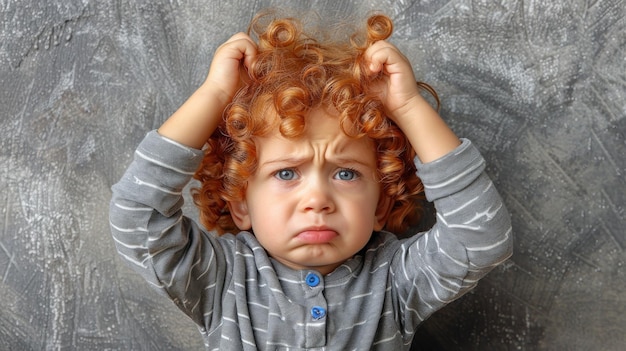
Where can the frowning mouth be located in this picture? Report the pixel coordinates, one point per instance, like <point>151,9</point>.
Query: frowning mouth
<point>318,235</point>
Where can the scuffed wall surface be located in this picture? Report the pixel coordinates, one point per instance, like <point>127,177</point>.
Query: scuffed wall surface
<point>539,86</point>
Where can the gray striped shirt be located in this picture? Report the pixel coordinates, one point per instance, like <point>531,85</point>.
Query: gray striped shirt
<point>242,299</point>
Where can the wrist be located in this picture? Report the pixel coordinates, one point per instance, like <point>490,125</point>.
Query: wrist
<point>210,91</point>
<point>194,122</point>
<point>411,111</point>
<point>427,132</point>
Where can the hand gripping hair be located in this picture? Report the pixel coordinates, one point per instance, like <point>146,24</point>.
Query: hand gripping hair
<point>292,74</point>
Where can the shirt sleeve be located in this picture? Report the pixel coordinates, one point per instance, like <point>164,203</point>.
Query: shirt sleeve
<point>471,236</point>
<point>153,236</point>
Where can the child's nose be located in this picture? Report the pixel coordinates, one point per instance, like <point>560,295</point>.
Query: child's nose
<point>318,197</point>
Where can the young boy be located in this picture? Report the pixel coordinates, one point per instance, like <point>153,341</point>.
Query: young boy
<point>310,165</point>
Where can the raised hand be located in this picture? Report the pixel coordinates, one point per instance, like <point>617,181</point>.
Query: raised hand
<point>194,122</point>
<point>396,86</point>
<point>395,82</point>
<point>230,62</point>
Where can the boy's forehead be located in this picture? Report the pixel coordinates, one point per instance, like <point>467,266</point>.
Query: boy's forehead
<point>323,136</point>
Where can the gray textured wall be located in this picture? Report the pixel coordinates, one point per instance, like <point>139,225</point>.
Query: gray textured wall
<point>538,85</point>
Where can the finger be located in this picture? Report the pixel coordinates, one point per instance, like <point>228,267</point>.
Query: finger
<point>240,47</point>
<point>381,56</point>
<point>249,54</point>
<point>376,57</point>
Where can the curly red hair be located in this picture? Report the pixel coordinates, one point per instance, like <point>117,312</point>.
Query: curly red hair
<point>294,73</point>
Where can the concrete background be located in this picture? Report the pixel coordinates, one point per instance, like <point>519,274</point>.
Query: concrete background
<point>539,86</point>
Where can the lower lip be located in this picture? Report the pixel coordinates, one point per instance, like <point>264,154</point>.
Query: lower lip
<point>317,236</point>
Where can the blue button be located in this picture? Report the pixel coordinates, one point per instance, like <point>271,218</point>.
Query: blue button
<point>318,312</point>
<point>312,280</point>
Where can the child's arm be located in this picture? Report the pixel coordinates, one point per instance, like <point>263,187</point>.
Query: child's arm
<point>473,229</point>
<point>428,133</point>
<point>147,223</point>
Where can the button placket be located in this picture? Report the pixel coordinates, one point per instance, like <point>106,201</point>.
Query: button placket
<point>313,292</point>
<point>314,308</point>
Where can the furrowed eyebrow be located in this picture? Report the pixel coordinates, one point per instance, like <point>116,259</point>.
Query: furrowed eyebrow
<point>345,160</point>
<point>286,160</point>
<point>297,160</point>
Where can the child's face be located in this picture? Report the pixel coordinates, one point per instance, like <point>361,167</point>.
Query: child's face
<point>313,202</point>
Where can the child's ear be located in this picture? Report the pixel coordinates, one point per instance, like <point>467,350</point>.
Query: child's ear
<point>239,213</point>
<point>382,212</point>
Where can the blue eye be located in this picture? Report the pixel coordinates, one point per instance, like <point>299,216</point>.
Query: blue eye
<point>346,174</point>
<point>286,174</point>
